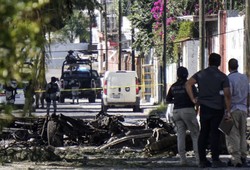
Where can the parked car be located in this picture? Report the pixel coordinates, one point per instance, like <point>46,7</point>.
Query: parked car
<point>121,89</point>
<point>88,78</point>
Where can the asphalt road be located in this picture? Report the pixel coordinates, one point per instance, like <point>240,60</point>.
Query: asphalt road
<point>86,110</point>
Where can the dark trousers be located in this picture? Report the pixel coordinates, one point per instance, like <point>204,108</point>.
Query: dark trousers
<point>209,134</point>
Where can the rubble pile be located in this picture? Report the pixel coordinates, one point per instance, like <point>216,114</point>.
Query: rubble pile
<point>62,138</point>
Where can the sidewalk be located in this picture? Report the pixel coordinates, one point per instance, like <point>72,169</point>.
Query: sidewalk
<point>124,164</point>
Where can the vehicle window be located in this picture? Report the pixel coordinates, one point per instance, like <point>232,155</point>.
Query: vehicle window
<point>94,74</point>
<point>83,74</point>
<point>76,74</point>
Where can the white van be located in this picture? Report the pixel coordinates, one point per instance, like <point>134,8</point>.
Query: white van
<point>121,89</point>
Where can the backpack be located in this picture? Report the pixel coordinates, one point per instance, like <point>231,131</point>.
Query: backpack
<point>52,88</point>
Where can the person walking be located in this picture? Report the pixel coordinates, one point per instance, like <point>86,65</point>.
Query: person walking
<point>184,114</point>
<point>214,99</point>
<point>51,94</point>
<point>236,140</point>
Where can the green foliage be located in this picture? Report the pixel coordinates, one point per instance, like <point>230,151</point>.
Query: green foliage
<point>76,26</point>
<point>21,40</point>
<point>142,19</point>
<point>24,24</point>
<point>53,14</point>
<point>20,37</point>
<point>147,38</point>
<point>85,4</point>
<point>160,110</point>
<point>186,30</point>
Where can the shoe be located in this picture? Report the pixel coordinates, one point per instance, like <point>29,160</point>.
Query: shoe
<point>219,163</point>
<point>238,165</point>
<point>229,163</point>
<point>183,162</point>
<point>244,162</point>
<point>53,115</point>
<point>204,164</point>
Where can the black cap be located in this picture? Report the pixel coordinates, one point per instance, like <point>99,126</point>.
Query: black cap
<point>182,72</point>
<point>53,79</point>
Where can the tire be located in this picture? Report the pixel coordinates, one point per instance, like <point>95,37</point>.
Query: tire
<point>136,108</point>
<point>55,137</point>
<point>61,99</point>
<point>99,95</point>
<point>33,109</point>
<point>22,135</point>
<point>104,108</point>
<point>92,99</point>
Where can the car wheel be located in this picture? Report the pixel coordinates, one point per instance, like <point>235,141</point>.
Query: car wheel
<point>99,95</point>
<point>136,108</point>
<point>33,108</point>
<point>61,99</point>
<point>55,137</point>
<point>104,108</point>
<point>92,99</point>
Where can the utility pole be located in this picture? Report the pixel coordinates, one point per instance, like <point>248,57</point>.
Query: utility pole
<point>247,40</point>
<point>164,52</point>
<point>133,50</point>
<point>90,27</point>
<point>133,40</point>
<point>106,35</point>
<point>231,4</point>
<point>247,37</point>
<point>202,32</point>
<point>120,35</point>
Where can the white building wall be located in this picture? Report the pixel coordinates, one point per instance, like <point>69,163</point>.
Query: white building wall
<point>216,45</point>
<point>235,40</point>
<point>58,51</point>
<point>171,74</point>
<point>190,56</point>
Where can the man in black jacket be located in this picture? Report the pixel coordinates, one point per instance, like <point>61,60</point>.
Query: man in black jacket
<point>214,98</point>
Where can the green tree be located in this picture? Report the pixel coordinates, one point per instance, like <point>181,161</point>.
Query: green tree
<point>142,20</point>
<point>150,28</point>
<point>75,26</point>
<point>24,26</point>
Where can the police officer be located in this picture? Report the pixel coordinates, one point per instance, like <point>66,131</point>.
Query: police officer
<point>75,90</point>
<point>10,92</point>
<point>184,114</point>
<point>71,58</point>
<point>52,89</point>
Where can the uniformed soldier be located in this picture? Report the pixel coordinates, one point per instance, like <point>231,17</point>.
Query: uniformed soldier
<point>10,92</point>
<point>75,90</point>
<point>52,89</point>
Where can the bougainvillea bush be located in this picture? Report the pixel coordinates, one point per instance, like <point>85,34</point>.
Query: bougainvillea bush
<point>147,17</point>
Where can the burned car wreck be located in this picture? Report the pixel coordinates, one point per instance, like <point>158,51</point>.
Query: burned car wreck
<point>104,132</point>
<point>62,138</point>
